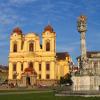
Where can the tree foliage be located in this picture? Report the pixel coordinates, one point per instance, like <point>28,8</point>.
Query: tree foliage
<point>66,79</point>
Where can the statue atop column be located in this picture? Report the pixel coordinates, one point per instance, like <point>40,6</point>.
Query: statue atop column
<point>81,24</point>
<point>82,28</point>
<point>86,81</point>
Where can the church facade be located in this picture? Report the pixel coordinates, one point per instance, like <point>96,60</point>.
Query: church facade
<point>33,63</point>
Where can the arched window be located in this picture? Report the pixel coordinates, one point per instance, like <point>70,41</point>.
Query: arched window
<point>14,67</point>
<point>31,64</point>
<point>48,46</point>
<point>47,67</point>
<point>47,76</point>
<point>21,66</point>
<point>15,47</point>
<point>31,46</point>
<point>39,66</point>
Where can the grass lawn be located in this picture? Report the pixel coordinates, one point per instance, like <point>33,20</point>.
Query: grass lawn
<point>43,96</point>
<point>22,90</point>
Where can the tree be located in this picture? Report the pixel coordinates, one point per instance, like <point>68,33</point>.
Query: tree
<point>66,79</point>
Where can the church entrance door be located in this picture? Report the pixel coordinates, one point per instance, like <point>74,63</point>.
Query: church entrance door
<point>28,80</point>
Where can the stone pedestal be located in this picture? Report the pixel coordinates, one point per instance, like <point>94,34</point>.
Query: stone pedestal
<point>33,80</point>
<point>86,83</point>
<point>23,81</point>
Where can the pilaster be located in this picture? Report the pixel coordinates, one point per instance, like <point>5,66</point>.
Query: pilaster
<point>52,70</point>
<point>10,76</point>
<point>18,70</point>
<point>43,70</point>
<point>25,65</point>
<point>11,46</point>
<point>36,67</point>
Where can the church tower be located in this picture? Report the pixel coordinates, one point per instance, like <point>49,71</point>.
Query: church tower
<point>49,39</point>
<point>16,40</point>
<point>15,50</point>
<point>49,49</point>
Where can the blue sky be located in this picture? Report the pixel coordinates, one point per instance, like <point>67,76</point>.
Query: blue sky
<point>34,15</point>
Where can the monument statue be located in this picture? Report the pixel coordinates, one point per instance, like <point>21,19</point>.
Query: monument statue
<point>85,81</point>
<point>82,28</point>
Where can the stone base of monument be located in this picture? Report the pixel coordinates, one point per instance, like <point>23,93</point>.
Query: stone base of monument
<point>86,83</point>
<point>83,85</point>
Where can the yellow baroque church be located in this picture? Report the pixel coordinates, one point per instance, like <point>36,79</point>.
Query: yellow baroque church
<point>35,63</point>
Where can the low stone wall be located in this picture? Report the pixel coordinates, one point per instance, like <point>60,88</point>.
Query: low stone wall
<point>14,82</point>
<point>38,82</point>
<point>79,93</point>
<point>47,82</point>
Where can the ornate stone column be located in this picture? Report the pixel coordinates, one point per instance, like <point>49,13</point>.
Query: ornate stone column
<point>82,29</point>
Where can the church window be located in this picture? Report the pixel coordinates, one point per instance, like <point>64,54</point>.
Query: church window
<point>48,46</point>
<point>47,67</point>
<point>31,47</point>
<point>30,64</point>
<point>21,67</point>
<point>14,67</point>
<point>15,47</point>
<point>39,67</point>
<point>47,76</point>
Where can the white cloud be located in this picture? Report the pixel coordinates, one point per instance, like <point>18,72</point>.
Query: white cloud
<point>71,47</point>
<point>10,16</point>
<point>65,48</point>
<point>21,1</point>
